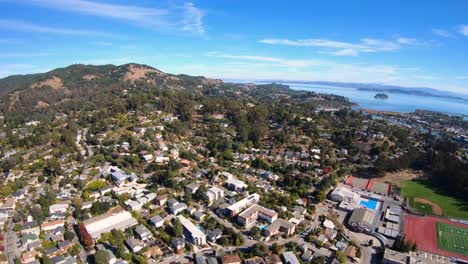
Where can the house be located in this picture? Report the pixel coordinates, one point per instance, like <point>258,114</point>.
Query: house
<point>290,258</point>
<point>105,190</point>
<point>178,208</point>
<point>161,199</point>
<point>190,210</point>
<point>51,225</point>
<point>191,232</point>
<point>134,245</point>
<point>231,259</point>
<point>86,205</point>
<point>178,243</point>
<point>133,205</point>
<point>58,208</point>
<point>8,204</point>
<point>237,207</point>
<point>235,185</point>
<point>254,260</point>
<point>192,188</point>
<point>143,232</point>
<point>198,215</point>
<point>280,225</point>
<point>214,193</point>
<point>307,256</point>
<point>172,202</point>
<point>29,256</point>
<point>328,224</point>
<point>52,252</point>
<point>254,212</point>
<point>273,259</point>
<point>30,228</point>
<point>351,252</point>
<point>214,235</point>
<point>157,221</point>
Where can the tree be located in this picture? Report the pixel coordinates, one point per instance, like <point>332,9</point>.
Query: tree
<point>276,248</point>
<point>85,237</point>
<point>69,235</point>
<point>341,257</point>
<point>75,250</point>
<point>101,257</point>
<point>177,227</point>
<point>260,249</point>
<point>46,260</point>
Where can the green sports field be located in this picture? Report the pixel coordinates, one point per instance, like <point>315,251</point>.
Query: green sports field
<point>451,206</point>
<point>452,238</point>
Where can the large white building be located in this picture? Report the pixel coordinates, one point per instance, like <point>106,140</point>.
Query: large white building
<point>214,193</point>
<point>115,218</point>
<point>235,185</point>
<point>254,212</point>
<point>236,208</point>
<point>341,193</point>
<point>191,232</point>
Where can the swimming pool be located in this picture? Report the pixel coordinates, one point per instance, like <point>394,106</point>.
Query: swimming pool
<point>262,227</point>
<point>370,203</point>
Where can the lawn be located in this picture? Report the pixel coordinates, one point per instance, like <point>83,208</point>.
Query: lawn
<point>452,238</point>
<point>451,206</point>
<point>423,208</point>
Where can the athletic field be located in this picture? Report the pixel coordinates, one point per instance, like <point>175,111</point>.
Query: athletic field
<point>452,238</point>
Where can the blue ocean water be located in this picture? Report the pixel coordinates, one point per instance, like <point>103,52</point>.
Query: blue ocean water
<point>396,102</point>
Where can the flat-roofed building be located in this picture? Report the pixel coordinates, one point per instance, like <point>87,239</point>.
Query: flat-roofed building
<point>214,193</point>
<point>115,218</point>
<point>235,185</point>
<point>394,257</point>
<point>280,225</point>
<point>51,225</point>
<point>254,212</point>
<point>362,220</point>
<point>290,258</point>
<point>191,232</point>
<point>236,208</point>
<point>341,193</point>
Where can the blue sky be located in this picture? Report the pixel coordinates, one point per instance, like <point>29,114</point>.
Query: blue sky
<point>410,43</point>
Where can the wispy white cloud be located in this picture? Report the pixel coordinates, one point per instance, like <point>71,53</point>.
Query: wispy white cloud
<point>192,19</point>
<point>17,25</point>
<point>291,69</point>
<point>442,33</point>
<point>463,29</point>
<point>280,61</point>
<point>340,48</point>
<point>187,17</point>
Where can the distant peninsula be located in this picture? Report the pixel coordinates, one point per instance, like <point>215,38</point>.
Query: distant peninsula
<point>383,88</point>
<point>381,96</point>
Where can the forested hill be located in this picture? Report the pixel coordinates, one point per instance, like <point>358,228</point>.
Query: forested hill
<point>87,87</point>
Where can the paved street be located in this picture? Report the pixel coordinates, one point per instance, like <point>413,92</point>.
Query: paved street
<point>10,248</point>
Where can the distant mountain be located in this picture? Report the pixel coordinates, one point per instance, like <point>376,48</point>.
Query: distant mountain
<point>75,86</point>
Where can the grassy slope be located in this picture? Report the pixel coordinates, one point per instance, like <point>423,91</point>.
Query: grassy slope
<point>451,206</point>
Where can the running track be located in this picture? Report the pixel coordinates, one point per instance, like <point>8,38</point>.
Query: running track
<point>422,230</point>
